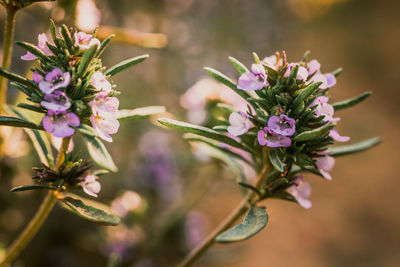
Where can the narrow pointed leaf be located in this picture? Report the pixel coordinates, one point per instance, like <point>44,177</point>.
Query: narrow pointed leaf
<point>89,212</point>
<point>305,93</point>
<point>14,77</point>
<point>28,90</point>
<point>86,58</point>
<point>308,135</point>
<point>86,129</point>
<point>354,148</point>
<point>67,37</point>
<point>203,131</point>
<point>126,64</point>
<point>275,160</point>
<point>16,122</point>
<point>351,102</point>
<point>254,221</point>
<point>99,153</point>
<point>34,50</point>
<point>139,113</point>
<point>31,187</point>
<point>337,71</point>
<point>104,45</point>
<point>31,107</point>
<point>239,66</point>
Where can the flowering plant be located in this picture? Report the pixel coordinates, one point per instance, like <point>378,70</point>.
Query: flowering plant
<point>287,130</point>
<point>71,92</point>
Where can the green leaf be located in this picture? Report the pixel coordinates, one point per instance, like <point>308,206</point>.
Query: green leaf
<point>226,107</point>
<point>354,148</point>
<point>254,221</point>
<point>89,212</point>
<point>34,50</point>
<point>86,129</point>
<point>203,131</point>
<point>31,187</point>
<point>351,102</point>
<point>14,77</point>
<point>38,138</point>
<point>337,72</point>
<point>305,93</point>
<point>139,113</point>
<point>86,59</point>
<point>104,45</point>
<point>125,64</point>
<point>31,107</point>
<point>28,90</point>
<point>239,66</point>
<point>99,153</point>
<point>275,160</point>
<point>225,80</point>
<point>16,122</point>
<point>308,135</point>
<point>67,37</point>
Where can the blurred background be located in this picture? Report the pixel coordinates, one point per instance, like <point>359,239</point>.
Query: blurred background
<point>169,197</point>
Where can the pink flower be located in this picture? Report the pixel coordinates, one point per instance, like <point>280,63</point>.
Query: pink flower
<point>60,125</point>
<point>301,191</point>
<point>272,62</point>
<point>90,186</point>
<point>104,117</point>
<point>55,79</point>
<point>271,139</point>
<point>254,80</point>
<point>324,108</point>
<point>282,125</point>
<point>337,137</point>
<point>85,41</point>
<point>240,123</point>
<point>313,66</point>
<point>42,46</point>
<point>302,72</point>
<point>99,82</point>
<point>325,165</point>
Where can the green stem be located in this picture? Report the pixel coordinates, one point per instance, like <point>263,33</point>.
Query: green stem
<point>7,51</point>
<point>240,210</point>
<point>37,221</point>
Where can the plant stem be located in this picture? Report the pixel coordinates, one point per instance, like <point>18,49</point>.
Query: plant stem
<point>240,209</point>
<point>41,215</point>
<point>7,51</point>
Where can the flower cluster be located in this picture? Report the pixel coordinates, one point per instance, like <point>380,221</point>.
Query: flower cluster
<point>72,87</point>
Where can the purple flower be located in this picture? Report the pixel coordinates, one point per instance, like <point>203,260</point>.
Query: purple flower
<point>194,229</point>
<point>325,165</point>
<point>301,191</point>
<point>42,46</point>
<point>85,41</point>
<point>104,118</point>
<point>60,125</point>
<point>90,186</point>
<point>330,80</point>
<point>313,66</point>
<point>337,137</point>
<point>272,62</point>
<point>55,79</point>
<point>99,82</point>
<point>271,139</point>
<point>324,109</point>
<point>240,123</point>
<point>302,72</point>
<point>319,77</point>
<point>254,80</point>
<point>56,102</point>
<point>36,77</point>
<point>282,125</point>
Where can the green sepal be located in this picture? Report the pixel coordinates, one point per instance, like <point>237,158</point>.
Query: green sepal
<point>16,122</point>
<point>94,212</point>
<point>139,113</point>
<point>203,131</point>
<point>99,153</point>
<point>254,221</point>
<point>104,45</point>
<point>239,66</point>
<point>86,59</point>
<point>308,135</point>
<point>351,102</point>
<point>31,187</point>
<point>127,63</point>
<point>275,160</point>
<point>354,148</point>
<point>34,50</point>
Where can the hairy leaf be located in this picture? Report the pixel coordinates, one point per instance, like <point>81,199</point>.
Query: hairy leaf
<point>351,102</point>
<point>354,148</point>
<point>139,113</point>
<point>127,63</point>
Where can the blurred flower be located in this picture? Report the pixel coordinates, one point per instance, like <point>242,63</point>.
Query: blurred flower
<point>272,62</point>
<point>325,165</point>
<point>194,229</point>
<point>337,137</point>
<point>84,40</point>
<point>240,123</point>
<point>90,185</point>
<point>301,191</point>
<point>42,46</point>
<point>128,201</point>
<point>104,117</point>
<point>99,82</point>
<point>60,125</point>
<point>55,79</point>
<point>254,80</point>
<point>87,15</point>
<point>16,145</point>
<point>302,72</point>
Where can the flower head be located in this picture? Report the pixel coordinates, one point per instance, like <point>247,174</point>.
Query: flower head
<point>104,118</point>
<point>55,79</point>
<point>85,41</point>
<point>56,102</point>
<point>301,191</point>
<point>240,123</point>
<point>271,139</point>
<point>254,80</point>
<point>282,125</point>
<point>42,46</point>
<point>99,82</point>
<point>90,185</point>
<point>325,165</point>
<point>60,125</point>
